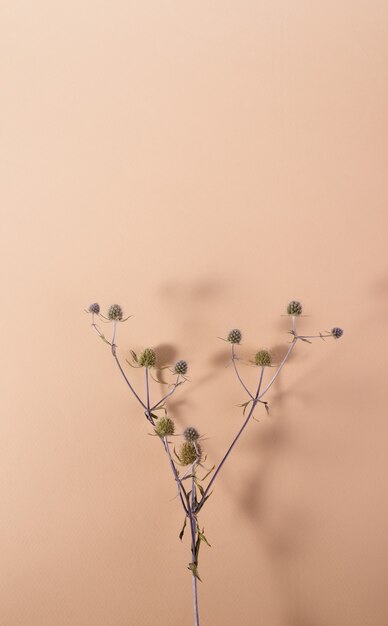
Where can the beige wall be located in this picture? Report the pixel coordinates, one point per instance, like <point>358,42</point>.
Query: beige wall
<point>201,163</point>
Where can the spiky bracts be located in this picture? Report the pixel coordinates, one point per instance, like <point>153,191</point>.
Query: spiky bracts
<point>294,308</point>
<point>263,358</point>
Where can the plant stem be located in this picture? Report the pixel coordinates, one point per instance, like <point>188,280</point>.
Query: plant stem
<point>254,403</point>
<point>255,400</point>
<point>167,395</point>
<point>175,472</point>
<point>193,524</point>
<point>238,373</point>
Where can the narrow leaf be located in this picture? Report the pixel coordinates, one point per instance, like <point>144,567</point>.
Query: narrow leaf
<point>194,569</point>
<point>183,529</point>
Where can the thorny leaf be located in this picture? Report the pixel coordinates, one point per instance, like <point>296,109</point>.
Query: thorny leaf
<point>203,538</point>
<point>245,405</point>
<point>134,355</point>
<point>183,529</point>
<point>132,365</point>
<point>208,473</point>
<point>160,382</point>
<point>206,498</point>
<point>304,339</point>
<point>193,567</point>
<point>201,489</point>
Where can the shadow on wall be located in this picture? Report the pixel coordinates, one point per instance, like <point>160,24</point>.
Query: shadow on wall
<point>288,531</point>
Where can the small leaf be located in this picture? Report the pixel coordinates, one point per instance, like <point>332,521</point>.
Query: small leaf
<point>193,567</point>
<point>203,538</point>
<point>206,498</point>
<point>208,473</point>
<point>201,489</point>
<point>183,529</point>
<point>134,356</point>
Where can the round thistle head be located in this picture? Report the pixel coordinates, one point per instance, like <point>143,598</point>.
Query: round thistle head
<point>189,453</point>
<point>234,336</point>
<point>94,308</point>
<point>115,313</point>
<point>263,358</point>
<point>294,308</point>
<point>337,332</point>
<point>164,427</point>
<point>147,358</point>
<point>191,434</point>
<point>181,367</point>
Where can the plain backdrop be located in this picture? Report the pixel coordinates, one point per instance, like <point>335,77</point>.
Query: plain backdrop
<point>201,163</point>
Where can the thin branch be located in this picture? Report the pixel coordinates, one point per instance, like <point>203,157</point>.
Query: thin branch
<point>254,403</point>
<point>176,476</point>
<point>234,358</point>
<point>176,384</point>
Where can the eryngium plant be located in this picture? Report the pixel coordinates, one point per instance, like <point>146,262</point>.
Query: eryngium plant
<point>190,454</point>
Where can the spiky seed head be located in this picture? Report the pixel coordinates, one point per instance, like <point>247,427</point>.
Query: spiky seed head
<point>263,358</point>
<point>147,358</point>
<point>189,453</point>
<point>115,312</point>
<point>181,367</point>
<point>94,308</point>
<point>294,308</point>
<point>164,427</point>
<point>234,336</point>
<point>337,332</point>
<point>191,434</point>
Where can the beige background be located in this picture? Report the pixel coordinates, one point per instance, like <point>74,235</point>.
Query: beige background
<point>201,163</point>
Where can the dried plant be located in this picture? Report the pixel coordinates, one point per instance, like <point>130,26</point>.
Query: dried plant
<point>190,478</point>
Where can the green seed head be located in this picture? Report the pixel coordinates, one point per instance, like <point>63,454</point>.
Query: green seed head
<point>191,434</point>
<point>115,312</point>
<point>294,308</point>
<point>147,358</point>
<point>164,427</point>
<point>234,336</point>
<point>263,358</point>
<point>189,453</point>
<point>181,367</point>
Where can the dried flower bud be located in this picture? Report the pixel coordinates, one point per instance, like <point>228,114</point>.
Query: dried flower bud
<point>180,367</point>
<point>189,453</point>
<point>94,308</point>
<point>164,427</point>
<point>115,312</point>
<point>235,336</point>
<point>263,358</point>
<point>147,358</point>
<point>294,308</point>
<point>191,434</point>
<point>337,332</point>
